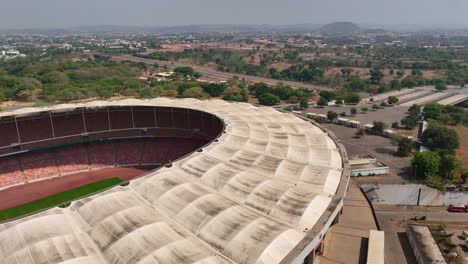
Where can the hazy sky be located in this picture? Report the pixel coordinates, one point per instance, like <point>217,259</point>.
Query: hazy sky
<point>67,13</point>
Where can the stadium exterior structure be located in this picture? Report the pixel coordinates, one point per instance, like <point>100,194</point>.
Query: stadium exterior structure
<point>265,188</point>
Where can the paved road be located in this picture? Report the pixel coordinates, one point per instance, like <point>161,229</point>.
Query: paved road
<point>211,72</point>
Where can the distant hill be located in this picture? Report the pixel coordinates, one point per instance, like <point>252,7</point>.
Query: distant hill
<point>340,28</point>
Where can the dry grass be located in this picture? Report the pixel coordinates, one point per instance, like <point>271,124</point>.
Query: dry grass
<point>462,151</point>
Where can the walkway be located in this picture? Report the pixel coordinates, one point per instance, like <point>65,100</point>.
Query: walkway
<point>346,242</point>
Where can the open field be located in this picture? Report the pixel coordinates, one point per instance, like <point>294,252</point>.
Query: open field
<point>57,199</point>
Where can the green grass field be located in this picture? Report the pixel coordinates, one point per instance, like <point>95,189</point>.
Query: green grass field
<point>58,199</point>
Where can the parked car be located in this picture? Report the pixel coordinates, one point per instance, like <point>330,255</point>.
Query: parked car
<point>458,208</point>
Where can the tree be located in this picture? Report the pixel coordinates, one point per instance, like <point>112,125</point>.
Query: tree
<point>395,84</point>
<point>450,167</point>
<point>433,110</point>
<point>425,163</point>
<point>236,94</point>
<point>353,110</point>
<point>400,74</point>
<point>185,71</point>
<point>327,95</point>
<point>375,76</point>
<point>440,138</point>
<point>393,100</point>
<point>378,127</point>
<point>414,109</point>
<point>214,89</point>
<point>405,146</point>
<point>441,87</point>
<point>259,88</point>
<point>322,102</point>
<point>410,121</point>
<point>332,116</point>
<point>268,99</point>
<point>435,182</point>
<point>195,92</point>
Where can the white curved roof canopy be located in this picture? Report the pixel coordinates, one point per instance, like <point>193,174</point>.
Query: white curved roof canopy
<point>247,198</point>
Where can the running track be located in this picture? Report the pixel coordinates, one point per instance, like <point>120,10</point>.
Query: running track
<point>21,194</point>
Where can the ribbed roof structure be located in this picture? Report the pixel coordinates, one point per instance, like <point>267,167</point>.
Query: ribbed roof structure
<point>252,196</point>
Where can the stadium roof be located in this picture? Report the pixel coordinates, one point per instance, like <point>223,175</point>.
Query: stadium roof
<point>256,195</point>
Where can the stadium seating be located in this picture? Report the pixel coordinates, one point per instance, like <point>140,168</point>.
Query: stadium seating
<point>129,152</point>
<point>72,159</point>
<point>10,172</point>
<point>101,155</point>
<point>39,165</point>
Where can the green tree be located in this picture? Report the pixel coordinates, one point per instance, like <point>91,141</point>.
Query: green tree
<point>327,95</point>
<point>185,71</point>
<point>450,167</point>
<point>375,76</point>
<point>395,84</point>
<point>414,110</point>
<point>393,100</point>
<point>425,163</point>
<point>236,94</point>
<point>436,182</point>
<point>260,88</point>
<point>195,92</point>
<point>332,116</point>
<point>322,102</point>
<point>433,110</point>
<point>378,127</point>
<point>440,138</point>
<point>405,146</point>
<point>214,89</point>
<point>268,99</point>
<point>410,121</point>
<point>353,110</point>
<point>441,87</point>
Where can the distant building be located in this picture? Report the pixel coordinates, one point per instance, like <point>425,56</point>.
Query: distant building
<point>367,166</point>
<point>11,54</point>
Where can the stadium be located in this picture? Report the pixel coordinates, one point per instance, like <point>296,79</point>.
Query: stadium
<point>210,182</point>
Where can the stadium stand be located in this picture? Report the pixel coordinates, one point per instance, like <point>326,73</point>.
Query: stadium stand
<point>39,165</point>
<point>35,128</point>
<point>129,152</point>
<point>9,135</point>
<point>102,155</point>
<point>72,159</point>
<point>68,124</point>
<point>10,172</point>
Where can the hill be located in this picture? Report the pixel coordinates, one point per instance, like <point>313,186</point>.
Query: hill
<point>340,28</point>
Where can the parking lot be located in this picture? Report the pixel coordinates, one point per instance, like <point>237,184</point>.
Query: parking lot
<point>378,147</point>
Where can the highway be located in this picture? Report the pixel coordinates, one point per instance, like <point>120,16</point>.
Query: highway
<point>213,73</point>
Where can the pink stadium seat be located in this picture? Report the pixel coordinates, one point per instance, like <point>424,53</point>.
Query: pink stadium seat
<point>130,152</point>
<point>72,159</point>
<point>101,155</point>
<point>10,172</point>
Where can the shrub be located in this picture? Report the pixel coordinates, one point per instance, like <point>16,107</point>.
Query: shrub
<point>268,99</point>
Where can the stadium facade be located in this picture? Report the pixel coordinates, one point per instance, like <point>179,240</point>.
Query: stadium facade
<point>256,185</point>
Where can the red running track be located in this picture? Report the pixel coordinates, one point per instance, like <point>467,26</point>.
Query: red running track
<point>22,194</point>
